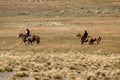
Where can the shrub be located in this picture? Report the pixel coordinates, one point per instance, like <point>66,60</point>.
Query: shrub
<point>21,74</point>
<point>57,76</point>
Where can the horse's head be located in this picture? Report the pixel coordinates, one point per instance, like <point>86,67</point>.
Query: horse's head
<point>21,35</point>
<point>78,35</point>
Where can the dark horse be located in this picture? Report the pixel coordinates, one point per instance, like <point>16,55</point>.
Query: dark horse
<point>30,39</point>
<point>89,39</point>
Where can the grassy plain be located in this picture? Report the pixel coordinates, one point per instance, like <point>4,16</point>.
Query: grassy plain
<point>60,56</point>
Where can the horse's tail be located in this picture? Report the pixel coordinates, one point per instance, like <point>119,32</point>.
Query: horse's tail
<point>38,39</point>
<point>100,38</point>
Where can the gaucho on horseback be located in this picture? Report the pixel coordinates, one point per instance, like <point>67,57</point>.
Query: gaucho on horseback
<point>29,38</point>
<point>27,34</point>
<point>85,35</point>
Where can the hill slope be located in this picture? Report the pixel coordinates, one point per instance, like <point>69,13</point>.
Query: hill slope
<point>52,8</point>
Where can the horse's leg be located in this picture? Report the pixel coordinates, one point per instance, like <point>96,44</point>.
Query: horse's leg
<point>24,41</point>
<point>82,41</point>
<point>30,41</point>
<point>98,41</point>
<point>91,41</point>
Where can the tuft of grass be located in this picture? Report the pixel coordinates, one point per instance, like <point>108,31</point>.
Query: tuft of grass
<point>21,74</point>
<point>8,68</point>
<point>22,68</point>
<point>37,77</point>
<point>35,74</point>
<point>1,69</point>
<point>57,76</point>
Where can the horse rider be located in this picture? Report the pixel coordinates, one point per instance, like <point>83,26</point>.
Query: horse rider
<point>85,35</point>
<point>27,33</point>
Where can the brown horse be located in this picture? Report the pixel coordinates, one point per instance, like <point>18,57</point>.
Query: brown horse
<point>30,39</point>
<point>89,39</point>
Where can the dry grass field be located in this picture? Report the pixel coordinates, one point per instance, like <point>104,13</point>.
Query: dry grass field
<point>60,55</point>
